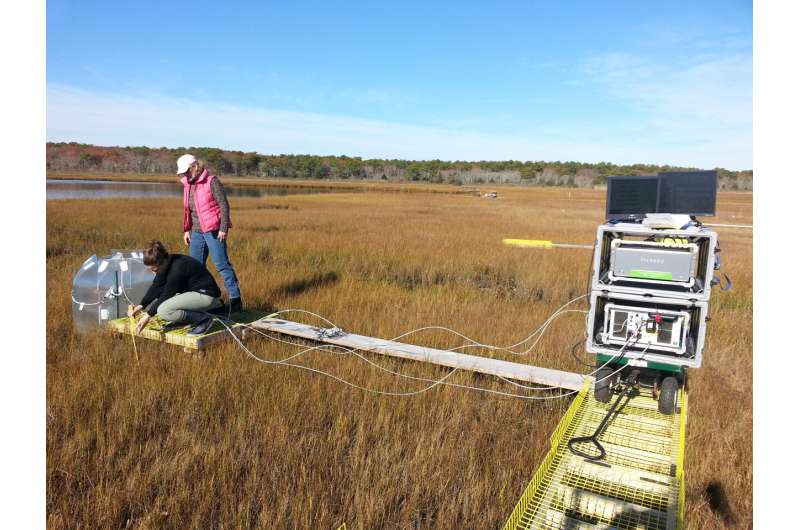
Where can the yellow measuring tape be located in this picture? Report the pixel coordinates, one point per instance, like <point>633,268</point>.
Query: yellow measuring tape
<point>133,338</point>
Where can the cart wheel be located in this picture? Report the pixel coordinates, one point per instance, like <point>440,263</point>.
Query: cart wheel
<point>604,384</point>
<point>668,397</point>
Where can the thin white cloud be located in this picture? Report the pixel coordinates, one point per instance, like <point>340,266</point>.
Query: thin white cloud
<point>718,88</point>
<point>374,96</point>
<point>154,120</point>
<point>703,102</point>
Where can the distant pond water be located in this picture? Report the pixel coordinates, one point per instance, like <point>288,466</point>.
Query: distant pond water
<point>108,189</point>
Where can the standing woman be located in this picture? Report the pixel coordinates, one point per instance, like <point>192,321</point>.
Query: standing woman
<point>206,221</point>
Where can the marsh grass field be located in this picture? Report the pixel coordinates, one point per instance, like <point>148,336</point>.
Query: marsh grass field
<point>222,441</point>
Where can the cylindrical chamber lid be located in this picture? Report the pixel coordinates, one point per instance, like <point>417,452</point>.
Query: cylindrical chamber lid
<point>103,287</point>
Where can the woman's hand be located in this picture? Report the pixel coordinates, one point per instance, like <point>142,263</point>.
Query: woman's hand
<point>187,237</point>
<point>133,310</point>
<point>142,323</point>
<point>222,236</point>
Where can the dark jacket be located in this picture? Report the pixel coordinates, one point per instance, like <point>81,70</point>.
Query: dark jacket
<point>180,274</point>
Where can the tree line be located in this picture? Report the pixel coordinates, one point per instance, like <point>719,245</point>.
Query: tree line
<point>74,156</point>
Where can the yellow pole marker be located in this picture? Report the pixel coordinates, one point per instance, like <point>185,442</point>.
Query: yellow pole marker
<point>528,243</point>
<point>541,243</point>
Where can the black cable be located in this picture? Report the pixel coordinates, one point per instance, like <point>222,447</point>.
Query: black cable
<point>575,356</point>
<point>628,391</point>
<point>631,382</point>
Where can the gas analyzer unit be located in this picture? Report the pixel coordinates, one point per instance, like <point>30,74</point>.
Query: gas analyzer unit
<point>652,274</point>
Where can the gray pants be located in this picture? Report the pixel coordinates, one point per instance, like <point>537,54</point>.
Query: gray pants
<point>173,309</point>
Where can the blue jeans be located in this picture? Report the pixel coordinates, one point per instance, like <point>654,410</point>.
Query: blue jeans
<point>199,247</point>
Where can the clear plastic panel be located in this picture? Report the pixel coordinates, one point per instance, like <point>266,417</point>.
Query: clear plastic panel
<point>104,287</point>
<point>85,299</point>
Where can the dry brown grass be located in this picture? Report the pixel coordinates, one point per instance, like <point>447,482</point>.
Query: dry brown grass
<point>222,441</point>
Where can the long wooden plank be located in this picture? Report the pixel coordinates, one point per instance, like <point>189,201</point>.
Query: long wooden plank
<point>516,371</point>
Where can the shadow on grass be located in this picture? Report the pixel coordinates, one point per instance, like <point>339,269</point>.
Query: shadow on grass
<point>717,499</point>
<point>300,286</point>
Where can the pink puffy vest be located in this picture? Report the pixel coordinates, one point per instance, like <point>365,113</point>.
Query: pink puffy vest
<point>207,208</point>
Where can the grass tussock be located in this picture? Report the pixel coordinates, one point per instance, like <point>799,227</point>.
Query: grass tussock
<point>223,441</point>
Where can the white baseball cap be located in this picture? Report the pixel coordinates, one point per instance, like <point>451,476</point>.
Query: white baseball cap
<point>184,162</point>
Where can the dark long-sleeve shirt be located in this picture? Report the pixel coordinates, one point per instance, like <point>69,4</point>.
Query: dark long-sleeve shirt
<point>222,200</point>
<point>180,274</point>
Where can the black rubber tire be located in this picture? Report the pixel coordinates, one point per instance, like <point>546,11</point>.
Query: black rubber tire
<point>604,385</point>
<point>668,396</point>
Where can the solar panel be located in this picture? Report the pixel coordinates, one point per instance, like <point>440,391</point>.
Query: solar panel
<point>631,197</point>
<point>688,192</point>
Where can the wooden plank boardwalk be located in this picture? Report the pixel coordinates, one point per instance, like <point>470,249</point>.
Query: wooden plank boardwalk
<point>510,370</point>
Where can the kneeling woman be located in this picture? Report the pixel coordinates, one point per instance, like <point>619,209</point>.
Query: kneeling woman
<point>181,291</point>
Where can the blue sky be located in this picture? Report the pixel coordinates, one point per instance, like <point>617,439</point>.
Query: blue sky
<point>623,82</point>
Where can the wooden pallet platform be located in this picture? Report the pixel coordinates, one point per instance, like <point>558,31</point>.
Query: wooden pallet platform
<point>179,337</point>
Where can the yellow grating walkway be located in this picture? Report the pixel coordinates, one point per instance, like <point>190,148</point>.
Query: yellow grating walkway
<point>638,485</point>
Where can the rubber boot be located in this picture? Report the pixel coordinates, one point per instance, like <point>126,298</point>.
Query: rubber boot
<point>235,305</point>
<point>200,321</point>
